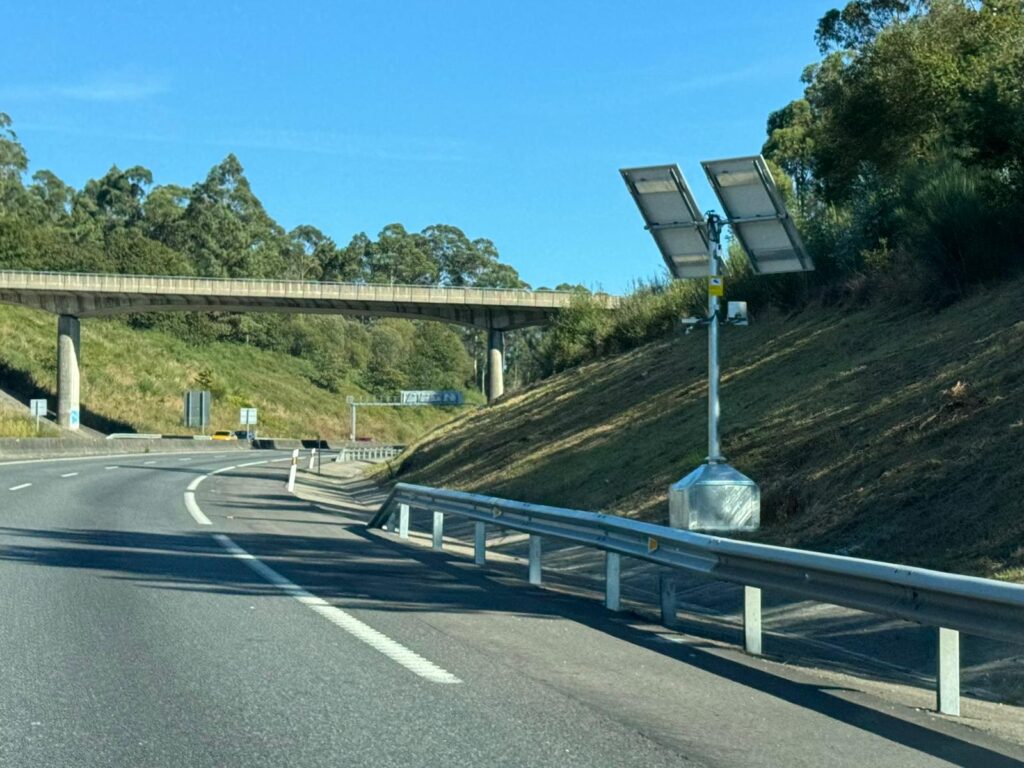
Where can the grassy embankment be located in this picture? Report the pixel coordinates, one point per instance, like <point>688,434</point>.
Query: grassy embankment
<point>134,380</point>
<point>875,432</point>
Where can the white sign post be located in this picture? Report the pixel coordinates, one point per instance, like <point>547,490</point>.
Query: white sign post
<point>247,418</point>
<point>38,410</point>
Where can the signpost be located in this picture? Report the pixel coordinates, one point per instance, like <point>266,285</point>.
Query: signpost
<point>410,397</point>
<point>247,418</point>
<point>430,397</point>
<point>197,408</point>
<point>38,410</point>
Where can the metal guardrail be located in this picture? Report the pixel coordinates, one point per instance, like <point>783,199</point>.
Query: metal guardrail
<point>950,602</point>
<point>368,453</point>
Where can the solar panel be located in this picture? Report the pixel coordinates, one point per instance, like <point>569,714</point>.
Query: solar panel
<point>672,217</point>
<point>757,215</point>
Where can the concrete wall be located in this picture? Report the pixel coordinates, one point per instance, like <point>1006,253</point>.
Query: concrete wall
<point>54,447</point>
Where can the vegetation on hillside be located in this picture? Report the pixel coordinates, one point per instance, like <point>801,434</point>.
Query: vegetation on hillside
<point>903,165</point>
<point>883,432</point>
<point>133,380</point>
<point>122,222</point>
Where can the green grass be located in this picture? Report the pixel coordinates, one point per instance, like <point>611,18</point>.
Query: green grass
<point>18,425</point>
<point>137,378</point>
<point>851,421</point>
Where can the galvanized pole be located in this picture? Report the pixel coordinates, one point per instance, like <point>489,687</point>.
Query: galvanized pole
<point>352,437</point>
<point>714,448</point>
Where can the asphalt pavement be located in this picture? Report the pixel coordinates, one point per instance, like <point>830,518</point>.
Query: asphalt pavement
<point>267,632</point>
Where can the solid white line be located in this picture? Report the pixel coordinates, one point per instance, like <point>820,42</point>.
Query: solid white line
<point>376,640</point>
<point>185,459</point>
<point>70,474</point>
<point>194,510</point>
<point>114,466</point>
<point>149,462</point>
<point>101,456</point>
<point>19,487</point>
<point>254,463</point>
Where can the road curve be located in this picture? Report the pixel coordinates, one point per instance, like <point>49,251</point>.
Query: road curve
<point>282,635</point>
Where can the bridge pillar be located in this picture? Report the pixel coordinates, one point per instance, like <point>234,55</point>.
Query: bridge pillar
<point>69,330</point>
<point>495,364</point>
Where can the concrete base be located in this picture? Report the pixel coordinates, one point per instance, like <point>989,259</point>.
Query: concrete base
<point>715,497</point>
<point>68,379</point>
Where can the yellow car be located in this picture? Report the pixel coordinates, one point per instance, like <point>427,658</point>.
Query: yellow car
<point>223,434</point>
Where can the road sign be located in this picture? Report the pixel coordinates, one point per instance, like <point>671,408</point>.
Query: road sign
<point>38,407</point>
<point>247,416</point>
<point>431,397</point>
<point>197,408</point>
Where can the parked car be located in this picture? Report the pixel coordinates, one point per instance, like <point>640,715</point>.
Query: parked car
<point>223,434</point>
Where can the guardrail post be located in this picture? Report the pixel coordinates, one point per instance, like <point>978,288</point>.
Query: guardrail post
<point>438,530</point>
<point>535,549</point>
<point>948,662</point>
<point>612,567</point>
<point>479,542</point>
<point>403,521</point>
<point>752,620</point>
<point>669,600</point>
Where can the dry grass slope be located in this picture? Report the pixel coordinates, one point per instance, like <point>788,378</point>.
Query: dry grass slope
<point>872,432</point>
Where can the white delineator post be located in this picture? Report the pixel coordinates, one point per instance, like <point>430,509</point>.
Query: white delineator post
<point>292,470</point>
<point>312,458</point>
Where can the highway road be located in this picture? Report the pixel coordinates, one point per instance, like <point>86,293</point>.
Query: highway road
<point>147,624</point>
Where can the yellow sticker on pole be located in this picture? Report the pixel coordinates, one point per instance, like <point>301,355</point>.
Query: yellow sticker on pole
<point>652,544</point>
<point>716,286</point>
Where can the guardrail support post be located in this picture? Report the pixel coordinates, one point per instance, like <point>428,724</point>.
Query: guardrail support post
<point>403,521</point>
<point>612,568</point>
<point>535,548</point>
<point>479,542</point>
<point>438,530</point>
<point>669,600</point>
<point>948,662</point>
<point>752,620</point>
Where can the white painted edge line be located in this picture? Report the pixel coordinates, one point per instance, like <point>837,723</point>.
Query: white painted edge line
<point>108,456</point>
<point>346,621</point>
<point>194,510</point>
<point>254,463</point>
<point>19,487</point>
<point>112,466</point>
<point>147,463</point>
<point>70,474</point>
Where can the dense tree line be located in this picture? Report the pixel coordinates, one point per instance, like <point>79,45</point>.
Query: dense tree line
<point>903,164</point>
<point>124,223</point>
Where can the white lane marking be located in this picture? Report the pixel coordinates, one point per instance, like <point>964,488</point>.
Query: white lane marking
<point>100,457</point>
<point>149,462</point>
<point>376,640</point>
<point>254,463</point>
<point>185,459</point>
<point>194,510</point>
<point>113,466</point>
<point>70,474</point>
<point>19,487</point>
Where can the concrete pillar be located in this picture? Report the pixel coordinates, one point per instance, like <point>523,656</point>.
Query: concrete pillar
<point>68,383</point>
<point>495,364</point>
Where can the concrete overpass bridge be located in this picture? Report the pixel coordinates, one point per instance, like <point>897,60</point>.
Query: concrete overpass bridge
<point>72,296</point>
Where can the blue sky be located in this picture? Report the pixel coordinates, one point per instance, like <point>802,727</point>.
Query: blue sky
<point>507,119</point>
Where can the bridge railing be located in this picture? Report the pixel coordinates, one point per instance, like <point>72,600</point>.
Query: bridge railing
<point>949,602</point>
<point>299,289</point>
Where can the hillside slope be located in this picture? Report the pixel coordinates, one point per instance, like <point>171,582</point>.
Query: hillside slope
<point>134,380</point>
<point>872,431</point>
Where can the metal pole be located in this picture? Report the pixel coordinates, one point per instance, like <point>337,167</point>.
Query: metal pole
<point>352,437</point>
<point>714,449</point>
